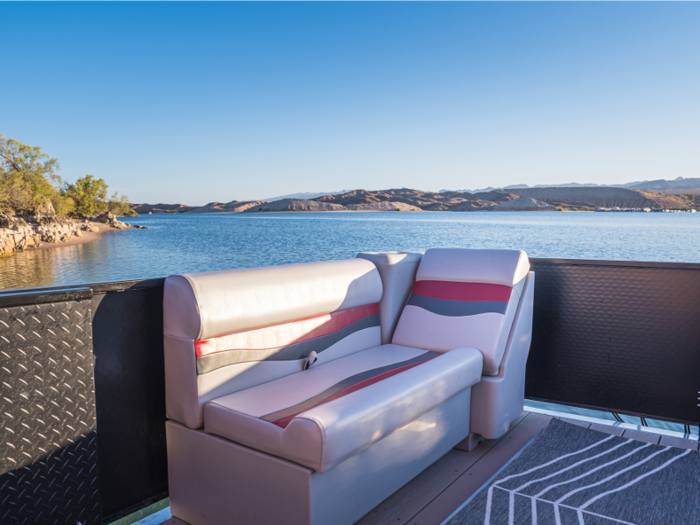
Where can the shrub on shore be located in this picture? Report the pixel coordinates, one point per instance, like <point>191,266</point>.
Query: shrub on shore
<point>29,183</point>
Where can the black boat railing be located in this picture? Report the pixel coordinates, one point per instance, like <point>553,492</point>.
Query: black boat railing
<point>83,415</point>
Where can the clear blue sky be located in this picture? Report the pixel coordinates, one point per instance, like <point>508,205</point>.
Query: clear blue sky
<point>195,102</point>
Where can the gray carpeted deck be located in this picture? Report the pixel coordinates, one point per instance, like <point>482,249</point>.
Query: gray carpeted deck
<point>572,475</point>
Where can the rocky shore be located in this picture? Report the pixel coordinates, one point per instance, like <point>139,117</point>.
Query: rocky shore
<point>42,231</point>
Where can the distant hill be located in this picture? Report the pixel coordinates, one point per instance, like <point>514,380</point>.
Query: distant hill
<point>645,194</point>
<point>540,198</point>
<point>602,197</point>
<point>677,186</point>
<point>516,186</point>
<point>306,195</point>
<point>226,207</point>
<point>425,200</point>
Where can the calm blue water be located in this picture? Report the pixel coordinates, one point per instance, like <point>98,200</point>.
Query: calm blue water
<point>191,243</point>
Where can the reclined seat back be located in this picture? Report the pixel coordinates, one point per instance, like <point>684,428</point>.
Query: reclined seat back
<point>230,330</point>
<point>464,298</point>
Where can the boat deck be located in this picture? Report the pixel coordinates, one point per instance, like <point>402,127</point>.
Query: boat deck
<point>439,490</point>
<point>436,493</point>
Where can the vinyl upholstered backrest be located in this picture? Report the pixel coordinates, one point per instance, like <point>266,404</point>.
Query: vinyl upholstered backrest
<point>462,298</point>
<point>230,330</point>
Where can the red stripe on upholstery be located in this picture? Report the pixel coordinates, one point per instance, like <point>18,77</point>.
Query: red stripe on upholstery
<point>454,291</point>
<point>286,333</point>
<point>283,422</point>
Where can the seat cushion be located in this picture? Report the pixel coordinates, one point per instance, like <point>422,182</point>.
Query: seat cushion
<point>322,416</point>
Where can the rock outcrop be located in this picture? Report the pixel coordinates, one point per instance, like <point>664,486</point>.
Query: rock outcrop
<point>240,207</point>
<point>226,207</point>
<point>383,206</point>
<point>487,201</point>
<point>111,220</point>
<point>18,233</point>
<point>295,205</point>
<point>524,204</point>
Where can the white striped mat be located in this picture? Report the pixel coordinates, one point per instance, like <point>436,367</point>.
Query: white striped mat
<point>570,475</point>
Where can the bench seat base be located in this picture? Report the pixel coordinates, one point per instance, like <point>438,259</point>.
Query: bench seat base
<point>214,481</point>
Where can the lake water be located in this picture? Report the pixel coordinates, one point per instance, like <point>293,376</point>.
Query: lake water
<point>193,243</point>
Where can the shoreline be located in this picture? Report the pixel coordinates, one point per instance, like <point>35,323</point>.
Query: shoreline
<point>346,211</point>
<point>565,210</point>
<point>86,238</point>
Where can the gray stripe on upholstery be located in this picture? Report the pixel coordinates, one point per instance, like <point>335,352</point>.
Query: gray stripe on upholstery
<point>209,363</point>
<point>457,308</point>
<point>345,383</point>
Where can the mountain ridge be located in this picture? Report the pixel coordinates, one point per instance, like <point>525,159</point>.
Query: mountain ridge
<point>677,185</point>
<point>539,198</point>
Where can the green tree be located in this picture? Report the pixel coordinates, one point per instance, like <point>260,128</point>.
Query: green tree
<point>120,205</point>
<point>62,204</point>
<point>88,194</point>
<point>28,178</point>
<point>29,182</point>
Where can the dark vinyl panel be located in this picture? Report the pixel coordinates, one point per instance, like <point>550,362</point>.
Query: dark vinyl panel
<point>621,337</point>
<point>48,466</point>
<point>130,381</point>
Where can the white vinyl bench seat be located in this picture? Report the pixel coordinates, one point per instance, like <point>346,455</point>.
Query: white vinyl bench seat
<point>306,394</point>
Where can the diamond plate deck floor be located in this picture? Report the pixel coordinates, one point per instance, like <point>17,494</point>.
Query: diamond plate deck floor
<point>437,492</point>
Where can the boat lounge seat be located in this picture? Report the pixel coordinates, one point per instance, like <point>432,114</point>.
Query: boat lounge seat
<point>285,407</point>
